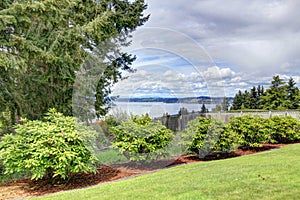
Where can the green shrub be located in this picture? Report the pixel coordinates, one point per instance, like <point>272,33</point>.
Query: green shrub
<point>202,135</point>
<point>141,139</point>
<point>54,148</point>
<point>251,131</point>
<point>284,129</point>
<point>228,140</point>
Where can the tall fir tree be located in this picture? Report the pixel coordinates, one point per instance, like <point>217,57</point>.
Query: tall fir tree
<point>43,45</point>
<point>292,95</point>
<point>254,98</point>
<point>237,101</point>
<point>246,100</point>
<point>275,95</point>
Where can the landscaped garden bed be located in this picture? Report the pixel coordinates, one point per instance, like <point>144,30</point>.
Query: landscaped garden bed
<point>28,187</point>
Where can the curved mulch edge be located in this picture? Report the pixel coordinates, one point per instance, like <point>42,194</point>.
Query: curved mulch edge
<point>27,187</point>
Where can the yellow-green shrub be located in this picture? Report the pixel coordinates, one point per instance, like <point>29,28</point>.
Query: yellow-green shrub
<point>56,147</point>
<point>141,139</point>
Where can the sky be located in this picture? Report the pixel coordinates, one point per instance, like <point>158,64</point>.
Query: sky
<point>213,47</point>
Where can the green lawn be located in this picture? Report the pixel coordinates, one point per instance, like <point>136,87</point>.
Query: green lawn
<point>269,175</point>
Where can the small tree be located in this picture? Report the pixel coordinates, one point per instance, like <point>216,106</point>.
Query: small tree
<point>52,148</point>
<point>218,108</point>
<point>203,109</point>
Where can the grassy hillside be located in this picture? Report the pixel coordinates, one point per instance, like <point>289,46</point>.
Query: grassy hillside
<point>269,175</point>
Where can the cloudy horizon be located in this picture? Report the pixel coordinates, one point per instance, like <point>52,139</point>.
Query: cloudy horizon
<point>209,48</point>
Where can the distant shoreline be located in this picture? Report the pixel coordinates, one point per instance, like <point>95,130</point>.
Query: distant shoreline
<point>187,100</point>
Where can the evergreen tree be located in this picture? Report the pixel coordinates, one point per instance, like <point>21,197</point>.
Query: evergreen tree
<point>237,101</point>
<point>203,109</point>
<point>260,92</point>
<point>253,98</point>
<point>279,96</point>
<point>275,96</point>
<point>292,92</point>
<point>43,45</point>
<point>246,100</point>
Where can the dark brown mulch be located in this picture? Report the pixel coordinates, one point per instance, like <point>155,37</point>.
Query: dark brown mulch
<point>27,187</point>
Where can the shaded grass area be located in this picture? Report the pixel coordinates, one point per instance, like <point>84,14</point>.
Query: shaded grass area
<point>110,156</point>
<point>268,175</point>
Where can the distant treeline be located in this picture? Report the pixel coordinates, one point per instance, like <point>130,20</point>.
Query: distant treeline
<point>280,95</point>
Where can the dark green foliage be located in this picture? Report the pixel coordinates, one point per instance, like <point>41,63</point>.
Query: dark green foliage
<point>238,101</point>
<point>141,139</point>
<point>275,96</point>
<point>203,109</point>
<point>284,129</point>
<point>279,96</point>
<point>202,135</point>
<point>254,98</point>
<point>251,131</point>
<point>43,45</point>
<point>292,95</point>
<point>111,75</point>
<point>55,148</point>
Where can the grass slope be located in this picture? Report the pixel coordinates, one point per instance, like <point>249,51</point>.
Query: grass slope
<point>269,175</point>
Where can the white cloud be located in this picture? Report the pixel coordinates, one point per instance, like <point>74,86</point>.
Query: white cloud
<point>218,73</point>
<point>253,40</point>
<point>257,35</point>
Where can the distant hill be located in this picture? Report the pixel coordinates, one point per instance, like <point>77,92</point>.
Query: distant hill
<point>200,100</point>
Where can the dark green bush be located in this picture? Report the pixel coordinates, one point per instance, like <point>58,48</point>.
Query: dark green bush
<point>141,139</point>
<point>251,131</point>
<point>54,148</point>
<point>284,129</point>
<point>202,135</point>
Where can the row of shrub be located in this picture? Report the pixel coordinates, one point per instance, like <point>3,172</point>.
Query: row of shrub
<point>141,139</point>
<point>59,146</point>
<point>206,134</point>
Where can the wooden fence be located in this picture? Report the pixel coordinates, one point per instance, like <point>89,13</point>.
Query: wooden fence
<point>179,121</point>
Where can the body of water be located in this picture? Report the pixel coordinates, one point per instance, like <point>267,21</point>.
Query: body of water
<point>156,109</point>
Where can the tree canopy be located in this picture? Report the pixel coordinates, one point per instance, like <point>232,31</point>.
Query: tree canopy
<point>44,43</point>
<point>280,95</point>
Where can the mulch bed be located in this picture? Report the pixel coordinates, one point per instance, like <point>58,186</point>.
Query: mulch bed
<point>27,187</point>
